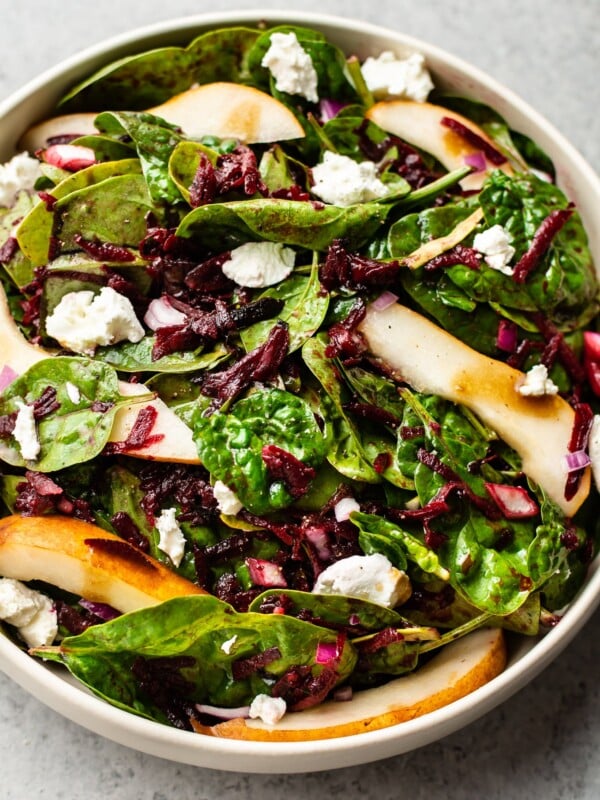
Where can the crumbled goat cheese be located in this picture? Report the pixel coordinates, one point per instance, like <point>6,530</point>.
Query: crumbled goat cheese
<point>269,709</point>
<point>31,612</point>
<point>371,577</point>
<point>172,540</point>
<point>594,449</point>
<point>259,264</point>
<point>344,507</point>
<point>494,244</point>
<point>537,383</point>
<point>25,432</point>
<point>83,320</point>
<point>388,76</point>
<point>17,175</point>
<point>227,646</point>
<point>73,392</point>
<point>291,66</point>
<point>227,501</point>
<point>341,181</point>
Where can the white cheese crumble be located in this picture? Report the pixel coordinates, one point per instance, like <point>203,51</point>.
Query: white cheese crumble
<point>31,612</point>
<point>269,709</point>
<point>291,66</point>
<point>494,244</point>
<point>227,645</point>
<point>84,320</point>
<point>594,449</point>
<point>17,175</point>
<point>344,507</point>
<point>388,76</point>
<point>259,264</point>
<point>227,500</point>
<point>172,540</point>
<point>341,181</point>
<point>73,392</point>
<point>25,432</point>
<point>537,383</point>
<point>371,578</point>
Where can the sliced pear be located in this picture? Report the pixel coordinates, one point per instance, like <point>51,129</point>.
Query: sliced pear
<point>433,361</point>
<point>84,559</point>
<point>460,668</point>
<point>226,110</point>
<point>176,444</point>
<point>420,124</point>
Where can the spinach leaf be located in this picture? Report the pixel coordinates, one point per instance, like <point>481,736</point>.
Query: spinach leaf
<point>137,357</point>
<point>74,432</point>
<point>230,444</point>
<point>146,79</point>
<point>154,139</point>
<point>195,627</point>
<point>183,164</point>
<point>305,307</point>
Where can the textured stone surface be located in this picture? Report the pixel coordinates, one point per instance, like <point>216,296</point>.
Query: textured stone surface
<point>544,741</point>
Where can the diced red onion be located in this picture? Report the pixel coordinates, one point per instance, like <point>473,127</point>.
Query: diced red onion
<point>354,619</point>
<point>7,376</point>
<point>329,108</point>
<point>265,573</point>
<point>385,300</point>
<point>71,157</point>
<point>223,713</point>
<point>101,610</point>
<point>326,652</point>
<point>317,536</point>
<point>577,460</point>
<point>344,508</point>
<point>514,501</point>
<point>343,694</point>
<point>476,160</point>
<point>591,345</point>
<point>161,314</point>
<point>507,336</point>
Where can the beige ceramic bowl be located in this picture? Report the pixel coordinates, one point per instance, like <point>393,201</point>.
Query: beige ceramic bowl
<point>527,658</point>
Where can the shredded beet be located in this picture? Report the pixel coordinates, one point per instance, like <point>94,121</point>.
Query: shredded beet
<point>541,241</point>
<point>459,254</point>
<point>300,688</point>
<point>345,341</point>
<point>7,424</point>
<point>208,276</point>
<point>491,153</point>
<point>140,436</point>
<point>186,486</point>
<point>373,413</point>
<point>293,192</point>
<point>8,249</point>
<point>412,432</point>
<point>128,530</point>
<point>161,680</point>
<point>103,251</point>
<point>229,589</point>
<point>261,364</point>
<point>582,425</point>
<point>555,340</point>
<point>245,667</point>
<point>382,462</point>
<point>74,620</point>
<point>46,403</point>
<point>382,639</point>
<point>239,170</point>
<point>283,466</point>
<point>353,271</point>
<point>203,188</point>
<point>49,200</point>
<point>40,494</point>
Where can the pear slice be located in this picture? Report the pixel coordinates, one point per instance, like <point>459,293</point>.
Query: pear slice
<point>420,124</point>
<point>433,361</point>
<point>84,559</point>
<point>460,668</point>
<point>176,445</point>
<point>226,110</point>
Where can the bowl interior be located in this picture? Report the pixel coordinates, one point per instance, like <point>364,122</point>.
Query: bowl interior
<point>527,657</point>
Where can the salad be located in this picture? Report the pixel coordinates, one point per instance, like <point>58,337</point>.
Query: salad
<point>299,381</point>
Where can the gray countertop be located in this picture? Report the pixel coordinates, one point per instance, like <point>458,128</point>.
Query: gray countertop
<point>544,741</point>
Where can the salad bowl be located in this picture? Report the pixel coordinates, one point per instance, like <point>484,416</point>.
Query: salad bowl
<point>526,656</point>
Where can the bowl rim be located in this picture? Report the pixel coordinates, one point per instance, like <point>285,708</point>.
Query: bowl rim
<point>79,705</point>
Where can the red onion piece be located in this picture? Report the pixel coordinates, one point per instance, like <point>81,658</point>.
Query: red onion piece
<point>223,713</point>
<point>161,314</point>
<point>101,610</point>
<point>7,376</point>
<point>514,501</point>
<point>385,300</point>
<point>71,157</point>
<point>507,336</point>
<point>317,536</point>
<point>265,573</point>
<point>328,108</point>
<point>577,460</point>
<point>476,160</point>
<point>343,694</point>
<point>326,652</point>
